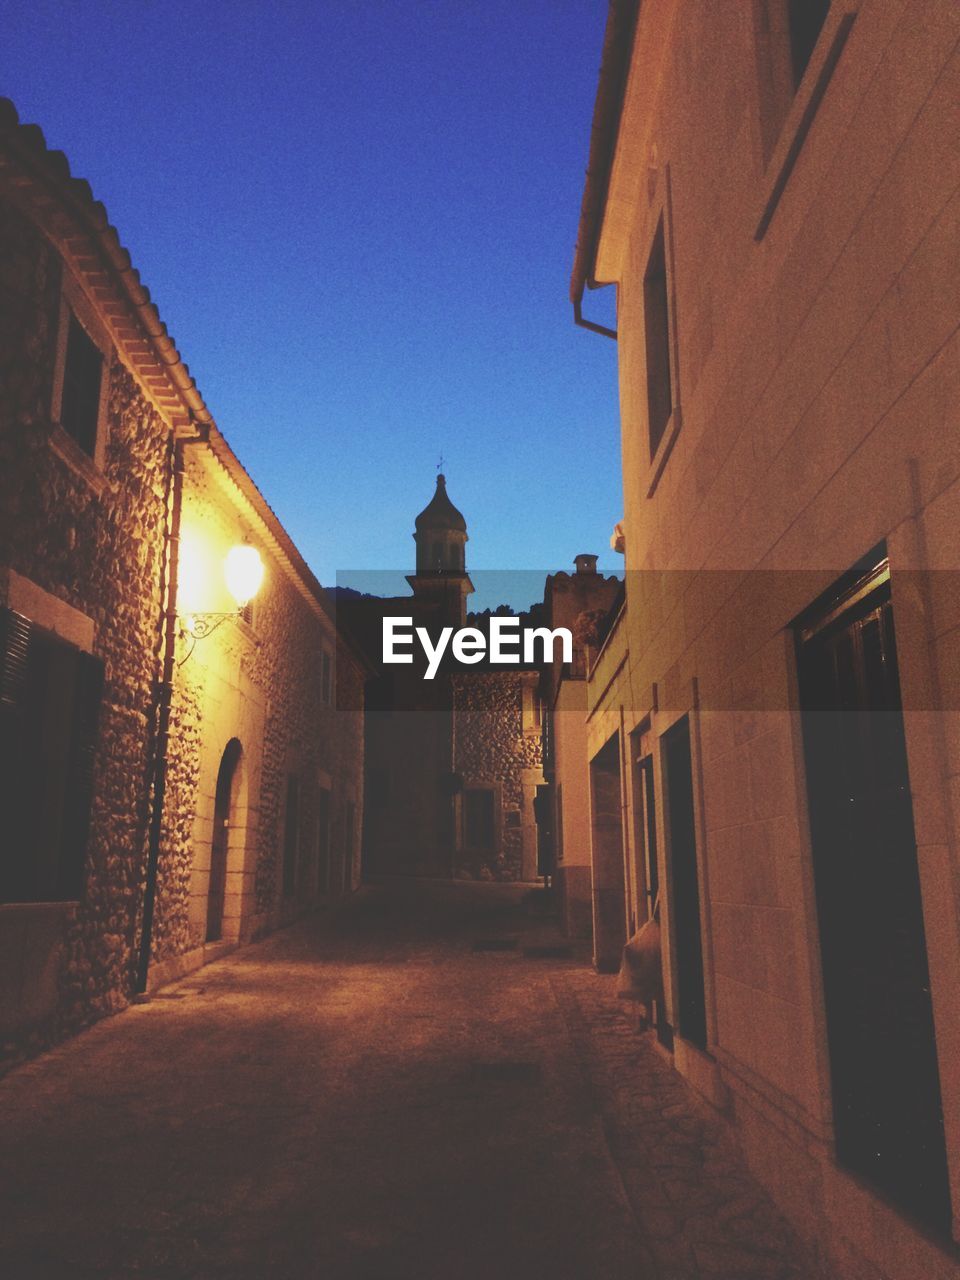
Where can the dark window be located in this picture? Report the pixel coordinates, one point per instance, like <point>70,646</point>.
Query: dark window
<point>609,882</point>
<point>82,375</point>
<point>880,1031</point>
<point>291,835</point>
<point>479,828</point>
<point>685,885</point>
<point>656,320</point>
<point>49,707</point>
<point>805,20</point>
<point>645,817</point>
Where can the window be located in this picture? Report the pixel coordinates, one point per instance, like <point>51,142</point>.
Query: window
<point>690,992</point>
<point>656,321</point>
<point>888,1114</point>
<point>479,818</point>
<point>788,34</point>
<point>798,45</point>
<point>291,836</point>
<point>80,383</point>
<point>50,695</point>
<point>805,19</point>
<point>82,378</point>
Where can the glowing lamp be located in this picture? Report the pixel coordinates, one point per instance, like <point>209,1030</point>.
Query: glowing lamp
<point>243,574</point>
<point>243,570</point>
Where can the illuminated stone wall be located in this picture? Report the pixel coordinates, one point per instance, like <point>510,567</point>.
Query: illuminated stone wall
<point>259,684</point>
<point>90,542</point>
<point>81,553</point>
<point>498,743</point>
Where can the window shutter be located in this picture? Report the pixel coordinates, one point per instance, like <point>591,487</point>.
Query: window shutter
<point>14,643</point>
<point>78,792</point>
<point>14,646</point>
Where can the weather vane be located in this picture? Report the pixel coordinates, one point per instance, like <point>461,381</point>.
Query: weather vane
<point>440,463</point>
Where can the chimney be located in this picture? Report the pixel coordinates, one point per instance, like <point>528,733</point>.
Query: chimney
<point>585,563</point>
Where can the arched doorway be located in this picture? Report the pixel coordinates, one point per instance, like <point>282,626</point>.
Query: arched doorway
<point>223,811</point>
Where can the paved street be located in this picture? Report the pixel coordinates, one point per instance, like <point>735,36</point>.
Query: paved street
<point>369,1096</point>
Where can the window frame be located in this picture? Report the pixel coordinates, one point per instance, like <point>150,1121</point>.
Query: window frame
<point>661,214</point>
<point>74,306</point>
<point>784,117</point>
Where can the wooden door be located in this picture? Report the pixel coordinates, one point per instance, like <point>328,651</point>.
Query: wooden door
<point>222,813</point>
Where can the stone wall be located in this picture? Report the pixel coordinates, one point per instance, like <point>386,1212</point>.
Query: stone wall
<point>94,542</point>
<point>497,743</point>
<point>260,684</point>
<point>82,540</point>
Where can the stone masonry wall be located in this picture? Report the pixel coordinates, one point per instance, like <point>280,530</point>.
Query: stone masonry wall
<point>490,746</point>
<point>100,552</point>
<point>277,661</point>
<point>92,538</point>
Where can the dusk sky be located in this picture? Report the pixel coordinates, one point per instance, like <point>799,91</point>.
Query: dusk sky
<point>357,220</point>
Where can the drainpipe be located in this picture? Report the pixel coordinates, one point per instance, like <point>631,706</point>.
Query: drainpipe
<point>164,700</point>
<point>589,324</point>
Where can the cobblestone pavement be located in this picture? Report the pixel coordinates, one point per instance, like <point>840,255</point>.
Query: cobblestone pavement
<point>378,1094</point>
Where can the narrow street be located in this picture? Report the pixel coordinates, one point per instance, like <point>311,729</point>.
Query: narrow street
<point>393,1092</point>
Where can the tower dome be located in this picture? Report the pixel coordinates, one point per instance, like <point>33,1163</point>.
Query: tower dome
<point>440,513</point>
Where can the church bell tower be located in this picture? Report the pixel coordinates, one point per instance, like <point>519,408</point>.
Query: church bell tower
<point>441,576</point>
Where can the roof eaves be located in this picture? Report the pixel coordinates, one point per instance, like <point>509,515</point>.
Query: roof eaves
<point>51,169</point>
<point>608,108</point>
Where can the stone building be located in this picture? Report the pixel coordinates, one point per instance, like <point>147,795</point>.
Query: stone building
<point>164,793</point>
<point>453,764</point>
<point>772,189</point>
<point>580,601</point>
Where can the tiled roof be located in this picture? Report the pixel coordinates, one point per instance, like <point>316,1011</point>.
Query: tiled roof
<point>65,206</point>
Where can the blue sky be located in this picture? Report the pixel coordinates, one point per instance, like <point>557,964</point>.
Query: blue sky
<point>358,221</point>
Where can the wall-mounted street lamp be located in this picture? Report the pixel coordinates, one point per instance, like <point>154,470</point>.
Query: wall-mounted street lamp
<point>243,574</point>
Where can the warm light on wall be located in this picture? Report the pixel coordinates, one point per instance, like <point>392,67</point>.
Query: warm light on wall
<point>242,574</point>
<point>194,576</point>
<point>243,570</point>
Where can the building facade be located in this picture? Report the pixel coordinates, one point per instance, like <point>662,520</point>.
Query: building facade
<point>165,792</point>
<point>453,763</point>
<point>581,602</point>
<point>772,190</point>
